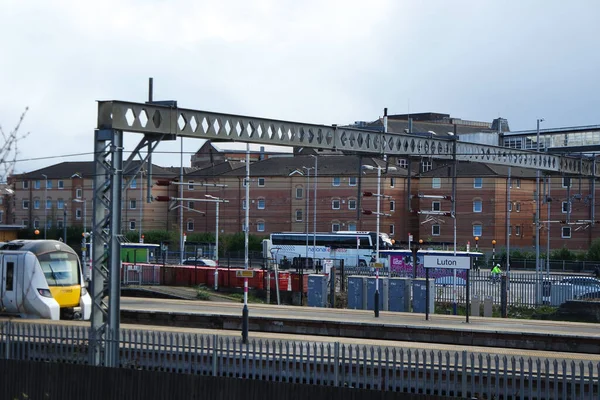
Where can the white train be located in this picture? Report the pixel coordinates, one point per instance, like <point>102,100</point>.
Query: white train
<point>42,279</point>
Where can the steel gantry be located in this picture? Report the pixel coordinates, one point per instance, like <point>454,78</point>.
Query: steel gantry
<point>166,121</point>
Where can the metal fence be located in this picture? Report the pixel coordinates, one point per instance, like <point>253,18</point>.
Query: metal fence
<point>384,368</point>
<point>526,289</point>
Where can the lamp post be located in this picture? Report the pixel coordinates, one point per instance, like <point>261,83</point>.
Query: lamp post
<point>216,200</point>
<point>315,208</point>
<point>84,241</point>
<point>537,214</point>
<point>476,250</point>
<point>307,212</point>
<point>45,205</point>
<point>493,252</point>
<point>378,214</point>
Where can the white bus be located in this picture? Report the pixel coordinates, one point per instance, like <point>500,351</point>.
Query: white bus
<point>354,247</point>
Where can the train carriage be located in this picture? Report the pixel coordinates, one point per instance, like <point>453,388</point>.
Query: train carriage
<point>42,279</point>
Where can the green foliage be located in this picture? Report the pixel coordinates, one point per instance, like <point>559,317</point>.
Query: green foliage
<point>593,253</point>
<point>563,254</point>
<point>202,293</point>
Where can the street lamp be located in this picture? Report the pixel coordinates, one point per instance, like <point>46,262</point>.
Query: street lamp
<point>537,212</point>
<point>493,252</point>
<point>45,205</point>
<point>378,214</point>
<point>84,241</point>
<point>216,200</point>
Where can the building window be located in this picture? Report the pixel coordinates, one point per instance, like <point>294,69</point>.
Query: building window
<point>261,204</point>
<point>518,230</point>
<point>59,224</point>
<point>518,206</point>
<point>478,183</point>
<point>190,185</point>
<point>515,182</point>
<point>79,193</point>
<point>190,225</point>
<point>299,192</point>
<point>244,182</point>
<point>335,226</point>
<point>261,181</point>
<point>36,184</point>
<point>392,182</point>
<point>426,166</point>
<point>48,184</point>
<point>132,204</point>
<point>244,204</point>
<point>132,225</point>
<point>36,224</point>
<point>566,232</point>
<point>1,216</point>
<point>351,226</point>
<point>510,231</point>
<point>336,181</point>
<point>566,182</point>
<point>25,204</point>
<point>61,184</point>
<point>191,205</point>
<point>26,223</point>
<point>477,230</point>
<point>298,215</point>
<point>36,204</point>
<point>49,223</point>
<point>133,184</point>
<point>25,184</point>
<point>392,206</point>
<point>78,213</point>
<point>436,206</point>
<point>391,229</point>
<point>402,162</point>
<point>260,226</point>
<point>477,206</point>
<point>335,204</point>
<point>436,183</point>
<point>352,204</point>
<point>48,204</point>
<point>510,206</point>
<point>435,230</point>
<point>566,207</point>
<point>352,181</point>
<point>60,204</point>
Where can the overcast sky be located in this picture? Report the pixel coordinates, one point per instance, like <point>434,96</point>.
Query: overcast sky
<point>319,61</point>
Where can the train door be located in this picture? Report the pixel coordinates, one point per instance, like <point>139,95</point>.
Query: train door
<point>10,288</point>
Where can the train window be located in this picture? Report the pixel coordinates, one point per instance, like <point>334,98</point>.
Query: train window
<point>10,271</point>
<point>60,269</point>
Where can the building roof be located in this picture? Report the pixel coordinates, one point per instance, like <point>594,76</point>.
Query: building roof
<point>216,170</point>
<point>476,169</point>
<point>327,166</point>
<point>84,169</point>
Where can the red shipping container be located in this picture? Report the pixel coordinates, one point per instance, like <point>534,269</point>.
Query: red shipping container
<point>257,282</point>
<point>284,281</point>
<point>295,276</point>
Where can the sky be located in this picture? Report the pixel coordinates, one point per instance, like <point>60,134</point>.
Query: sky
<point>323,62</point>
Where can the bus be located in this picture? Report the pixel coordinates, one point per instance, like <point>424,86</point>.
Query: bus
<point>356,248</point>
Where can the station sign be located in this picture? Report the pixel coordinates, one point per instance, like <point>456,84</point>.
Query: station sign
<point>245,273</point>
<point>376,265</point>
<point>448,262</point>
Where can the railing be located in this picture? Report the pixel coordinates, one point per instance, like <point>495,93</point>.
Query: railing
<point>523,289</point>
<point>384,368</point>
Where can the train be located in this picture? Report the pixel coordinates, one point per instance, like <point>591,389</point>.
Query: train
<point>42,279</point>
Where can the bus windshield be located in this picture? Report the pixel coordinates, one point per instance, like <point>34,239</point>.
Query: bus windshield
<point>60,268</point>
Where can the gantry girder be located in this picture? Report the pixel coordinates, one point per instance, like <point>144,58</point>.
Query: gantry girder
<point>147,118</point>
<point>166,122</point>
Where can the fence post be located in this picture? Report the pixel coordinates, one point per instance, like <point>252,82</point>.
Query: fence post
<point>503,296</point>
<point>336,361</point>
<point>464,387</point>
<point>214,356</point>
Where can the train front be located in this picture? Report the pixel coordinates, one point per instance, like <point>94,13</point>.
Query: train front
<point>62,270</point>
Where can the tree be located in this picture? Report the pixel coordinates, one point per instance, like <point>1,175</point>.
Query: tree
<point>9,148</point>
